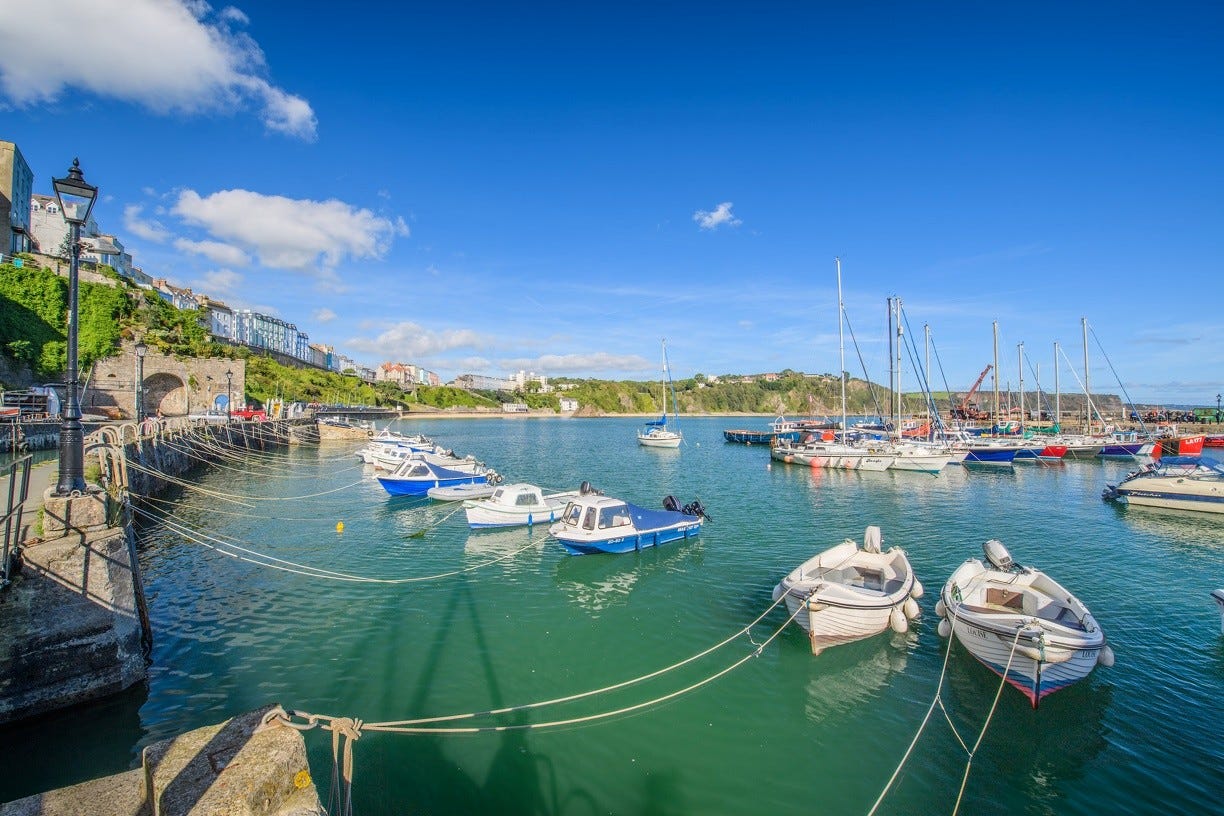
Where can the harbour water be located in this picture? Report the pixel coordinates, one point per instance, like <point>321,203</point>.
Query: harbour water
<point>463,621</point>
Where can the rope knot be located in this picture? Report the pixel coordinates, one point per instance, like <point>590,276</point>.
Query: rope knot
<point>348,727</point>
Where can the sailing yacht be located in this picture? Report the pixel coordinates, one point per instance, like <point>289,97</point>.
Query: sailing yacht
<point>657,433</point>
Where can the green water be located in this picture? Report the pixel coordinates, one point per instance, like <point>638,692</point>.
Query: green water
<point>785,733</point>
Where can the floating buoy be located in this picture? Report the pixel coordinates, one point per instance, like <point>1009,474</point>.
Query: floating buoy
<point>940,609</point>
<point>896,619</point>
<point>910,608</point>
<point>945,628</point>
<point>339,526</point>
<point>1105,657</point>
<point>917,591</point>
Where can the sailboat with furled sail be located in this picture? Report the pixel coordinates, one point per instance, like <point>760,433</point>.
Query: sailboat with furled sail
<point>657,433</point>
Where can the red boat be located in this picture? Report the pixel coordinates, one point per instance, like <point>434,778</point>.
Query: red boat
<point>1182,445</point>
<point>1213,441</point>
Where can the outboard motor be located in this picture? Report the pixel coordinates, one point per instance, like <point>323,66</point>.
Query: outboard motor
<point>670,503</point>
<point>585,489</point>
<point>998,555</point>
<point>695,508</point>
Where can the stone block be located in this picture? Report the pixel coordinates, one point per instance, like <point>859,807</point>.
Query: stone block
<point>63,515</point>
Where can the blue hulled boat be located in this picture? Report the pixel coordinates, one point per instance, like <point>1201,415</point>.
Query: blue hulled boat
<point>416,477</point>
<point>592,523</point>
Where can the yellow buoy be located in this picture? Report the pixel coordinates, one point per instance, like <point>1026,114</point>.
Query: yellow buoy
<point>339,526</point>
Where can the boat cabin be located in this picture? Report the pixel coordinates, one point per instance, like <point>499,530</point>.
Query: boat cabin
<point>518,495</point>
<point>596,513</point>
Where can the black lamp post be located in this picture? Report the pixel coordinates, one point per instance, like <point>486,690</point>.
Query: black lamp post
<point>229,384</point>
<point>76,200</point>
<point>139,396</point>
<point>1218,418</point>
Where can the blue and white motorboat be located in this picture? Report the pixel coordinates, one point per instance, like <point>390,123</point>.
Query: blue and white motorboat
<point>414,477</point>
<point>593,523</point>
<point>1173,482</point>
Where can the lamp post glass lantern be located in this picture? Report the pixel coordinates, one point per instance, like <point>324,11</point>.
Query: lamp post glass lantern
<point>76,200</point>
<point>229,383</point>
<point>140,355</point>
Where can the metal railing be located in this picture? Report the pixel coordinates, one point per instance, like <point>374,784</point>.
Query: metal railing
<point>17,494</point>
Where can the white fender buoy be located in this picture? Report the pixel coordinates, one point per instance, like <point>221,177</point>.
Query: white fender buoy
<point>945,628</point>
<point>910,608</point>
<point>1105,657</point>
<point>940,609</point>
<point>917,591</point>
<point>896,619</point>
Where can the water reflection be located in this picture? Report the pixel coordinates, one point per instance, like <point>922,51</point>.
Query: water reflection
<point>845,675</point>
<point>1186,529</point>
<point>599,582</point>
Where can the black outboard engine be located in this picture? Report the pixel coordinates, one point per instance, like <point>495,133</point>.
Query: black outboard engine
<point>670,503</point>
<point>695,508</point>
<point>585,489</point>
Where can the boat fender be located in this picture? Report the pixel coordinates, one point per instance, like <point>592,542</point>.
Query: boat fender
<point>940,609</point>
<point>945,628</point>
<point>671,503</point>
<point>1105,657</point>
<point>917,591</point>
<point>910,608</point>
<point>896,619</point>
<point>1032,652</point>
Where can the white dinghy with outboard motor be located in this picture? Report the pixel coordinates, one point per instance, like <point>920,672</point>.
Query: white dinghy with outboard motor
<point>1022,624</point>
<point>848,592</point>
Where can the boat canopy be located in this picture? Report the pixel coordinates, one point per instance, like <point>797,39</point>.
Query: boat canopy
<point>658,422</point>
<point>1190,463</point>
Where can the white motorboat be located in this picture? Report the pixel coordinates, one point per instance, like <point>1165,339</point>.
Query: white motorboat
<point>516,505</point>
<point>1001,612</point>
<point>849,592</point>
<point>1174,482</point>
<point>461,492</point>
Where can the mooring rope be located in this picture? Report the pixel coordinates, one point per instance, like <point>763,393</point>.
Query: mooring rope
<point>938,700</point>
<point>250,556</point>
<point>249,467</point>
<point>335,510</point>
<point>232,497</point>
<point>347,730</point>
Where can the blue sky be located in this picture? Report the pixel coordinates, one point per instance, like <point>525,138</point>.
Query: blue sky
<point>489,187</point>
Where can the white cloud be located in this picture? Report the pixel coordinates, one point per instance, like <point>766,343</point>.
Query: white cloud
<point>293,234</point>
<point>215,251</point>
<point>324,315</point>
<point>716,217</point>
<point>167,55</point>
<point>407,341</point>
<point>147,229</point>
<point>218,282</point>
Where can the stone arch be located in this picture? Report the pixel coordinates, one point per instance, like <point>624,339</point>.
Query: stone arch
<point>165,394</point>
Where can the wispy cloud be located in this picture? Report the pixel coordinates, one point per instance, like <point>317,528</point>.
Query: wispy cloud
<point>218,283</point>
<point>298,235</point>
<point>170,56</point>
<point>717,217</point>
<point>410,341</point>
<point>324,315</point>
<point>580,363</point>
<point>148,229</point>
<point>215,251</point>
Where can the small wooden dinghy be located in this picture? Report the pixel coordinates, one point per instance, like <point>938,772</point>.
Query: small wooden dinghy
<point>1003,612</point>
<point>848,592</point>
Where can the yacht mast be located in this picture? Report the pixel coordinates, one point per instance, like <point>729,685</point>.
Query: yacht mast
<point>841,346</point>
<point>995,325</point>
<point>1020,365</point>
<point>1057,391</point>
<point>1087,385</point>
<point>900,340</point>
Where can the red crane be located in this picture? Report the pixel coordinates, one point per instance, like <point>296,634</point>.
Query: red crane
<point>967,409</point>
